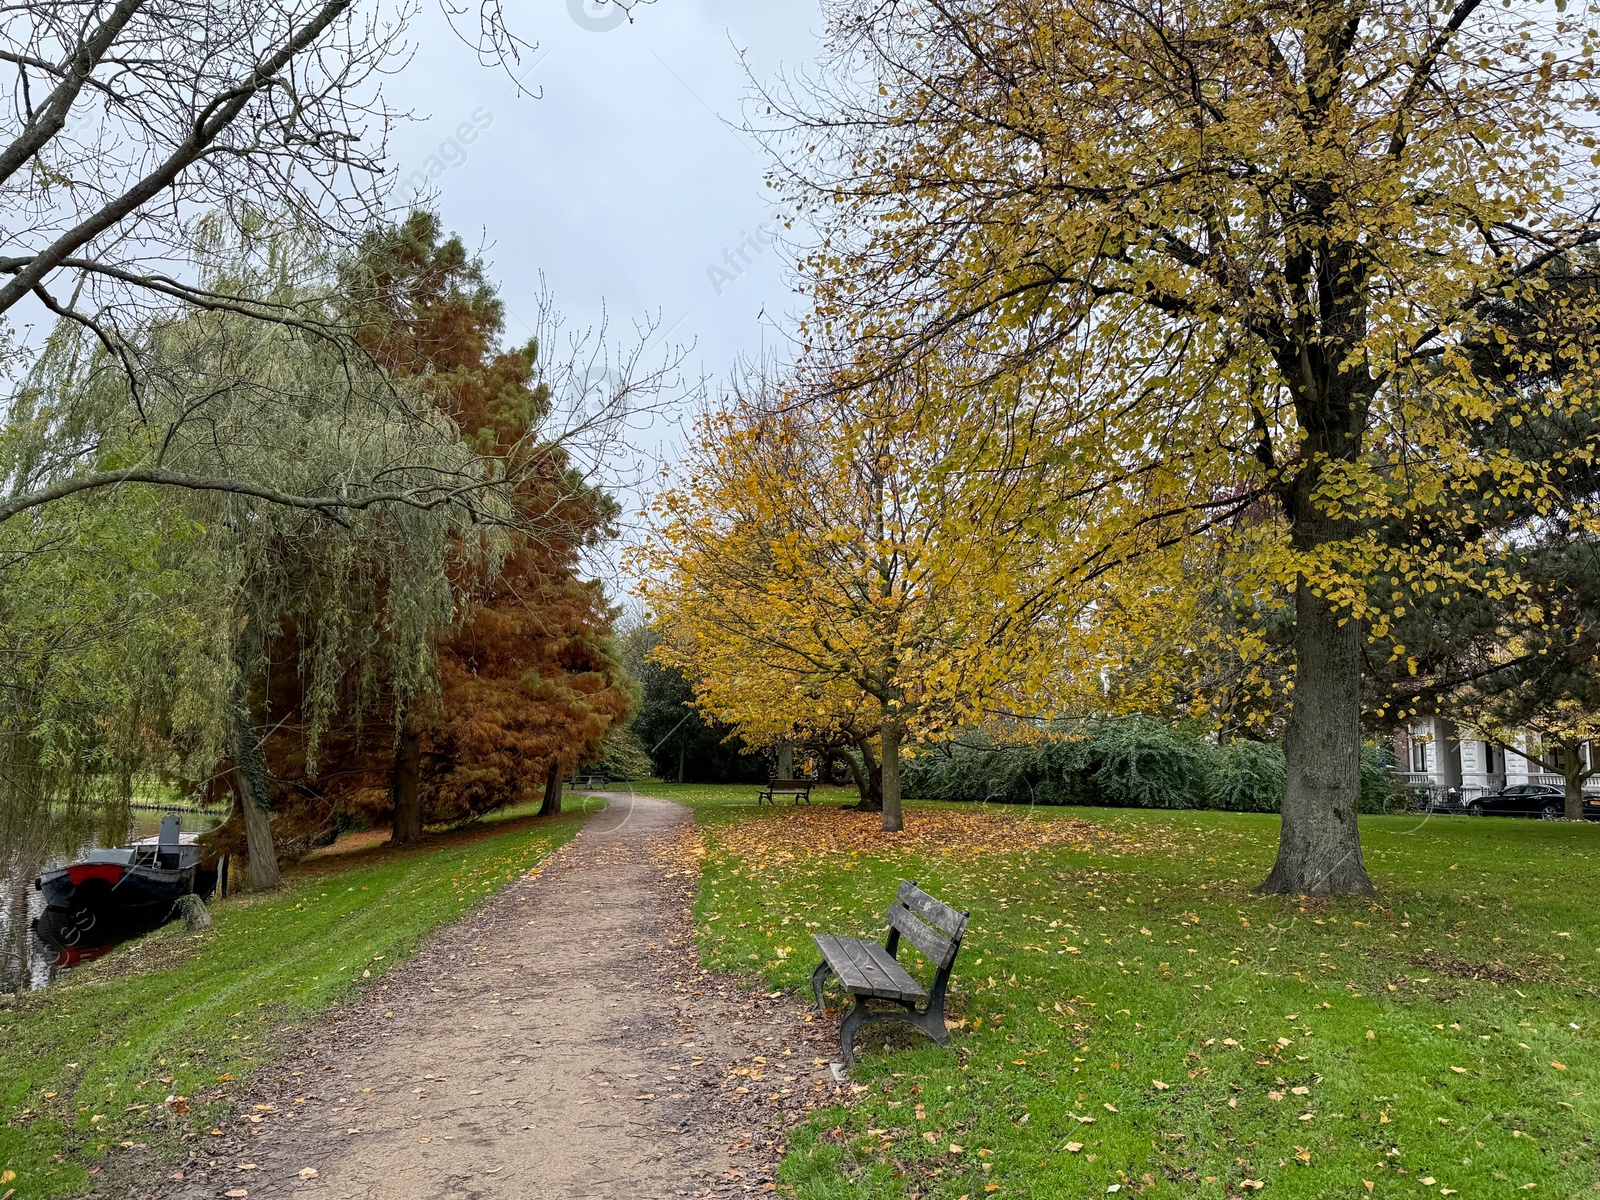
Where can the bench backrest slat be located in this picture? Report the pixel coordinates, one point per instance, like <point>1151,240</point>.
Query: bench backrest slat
<point>933,943</point>
<point>931,909</point>
<point>930,925</point>
<point>791,783</point>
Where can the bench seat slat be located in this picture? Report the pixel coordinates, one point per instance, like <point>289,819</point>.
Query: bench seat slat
<point>833,951</point>
<point>867,969</point>
<point>893,981</point>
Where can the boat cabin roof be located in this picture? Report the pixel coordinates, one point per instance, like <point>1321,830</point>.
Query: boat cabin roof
<point>184,839</point>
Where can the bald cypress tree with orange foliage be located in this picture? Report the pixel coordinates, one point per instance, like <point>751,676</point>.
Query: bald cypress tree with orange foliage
<point>528,680</point>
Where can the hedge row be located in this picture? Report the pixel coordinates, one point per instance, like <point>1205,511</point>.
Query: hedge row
<point>1134,763</point>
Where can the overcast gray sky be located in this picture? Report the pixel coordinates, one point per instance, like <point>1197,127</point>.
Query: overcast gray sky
<point>620,179</point>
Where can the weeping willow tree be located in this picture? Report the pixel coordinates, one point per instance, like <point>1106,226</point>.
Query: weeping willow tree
<point>251,477</point>
<point>105,647</point>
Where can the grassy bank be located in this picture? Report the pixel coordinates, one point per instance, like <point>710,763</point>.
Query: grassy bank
<point>1132,1018</point>
<point>87,1067</point>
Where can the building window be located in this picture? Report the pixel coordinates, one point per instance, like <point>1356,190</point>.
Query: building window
<point>1419,755</point>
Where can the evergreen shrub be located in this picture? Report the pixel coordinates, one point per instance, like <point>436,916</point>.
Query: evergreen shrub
<point>1135,762</point>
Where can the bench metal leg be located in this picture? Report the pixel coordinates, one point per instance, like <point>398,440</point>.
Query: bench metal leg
<point>818,978</point>
<point>929,1021</point>
<point>853,1020</point>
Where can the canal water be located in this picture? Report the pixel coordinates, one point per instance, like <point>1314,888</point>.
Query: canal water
<point>34,842</point>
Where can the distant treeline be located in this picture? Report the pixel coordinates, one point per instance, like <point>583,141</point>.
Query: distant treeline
<point>1133,763</point>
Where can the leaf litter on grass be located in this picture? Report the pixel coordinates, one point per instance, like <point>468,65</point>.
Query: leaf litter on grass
<point>1182,969</point>
<point>793,833</point>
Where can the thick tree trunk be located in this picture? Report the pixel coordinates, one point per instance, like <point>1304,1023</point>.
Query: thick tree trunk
<point>858,775</point>
<point>552,791</point>
<point>250,773</point>
<point>1319,846</point>
<point>405,787</point>
<point>250,767</point>
<point>785,760</point>
<point>893,820</point>
<point>1572,781</point>
<point>869,778</point>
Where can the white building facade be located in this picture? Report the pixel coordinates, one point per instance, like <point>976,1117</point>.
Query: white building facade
<point>1435,757</point>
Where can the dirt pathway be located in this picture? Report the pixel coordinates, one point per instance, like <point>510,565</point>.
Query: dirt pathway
<point>560,1042</point>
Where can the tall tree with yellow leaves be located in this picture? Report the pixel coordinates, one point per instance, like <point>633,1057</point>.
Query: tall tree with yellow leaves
<point>1217,258</point>
<point>822,567</point>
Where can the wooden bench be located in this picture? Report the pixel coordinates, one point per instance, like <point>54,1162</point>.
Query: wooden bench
<point>800,789</point>
<point>871,973</point>
<point>588,782</point>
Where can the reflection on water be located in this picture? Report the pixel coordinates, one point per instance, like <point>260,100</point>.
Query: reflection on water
<point>33,840</point>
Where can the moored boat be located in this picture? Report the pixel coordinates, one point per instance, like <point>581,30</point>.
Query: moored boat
<point>135,885</point>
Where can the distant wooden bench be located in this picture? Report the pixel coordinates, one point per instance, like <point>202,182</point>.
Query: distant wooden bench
<point>800,789</point>
<point>588,781</point>
<point>870,972</point>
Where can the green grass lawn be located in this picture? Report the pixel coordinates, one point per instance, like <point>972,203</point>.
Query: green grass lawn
<point>87,1065</point>
<point>1135,1019</point>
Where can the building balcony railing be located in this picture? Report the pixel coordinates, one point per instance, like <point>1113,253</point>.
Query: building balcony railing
<point>1423,783</point>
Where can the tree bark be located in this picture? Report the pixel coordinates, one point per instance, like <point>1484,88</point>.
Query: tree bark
<point>250,774</point>
<point>785,760</point>
<point>868,776</point>
<point>893,819</point>
<point>1319,846</point>
<point>552,791</point>
<point>250,767</point>
<point>1572,781</point>
<point>406,787</point>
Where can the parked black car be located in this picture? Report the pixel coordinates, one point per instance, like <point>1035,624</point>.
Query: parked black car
<point>1530,800</point>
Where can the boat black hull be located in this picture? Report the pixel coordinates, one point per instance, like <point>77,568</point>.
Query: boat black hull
<point>135,891</point>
